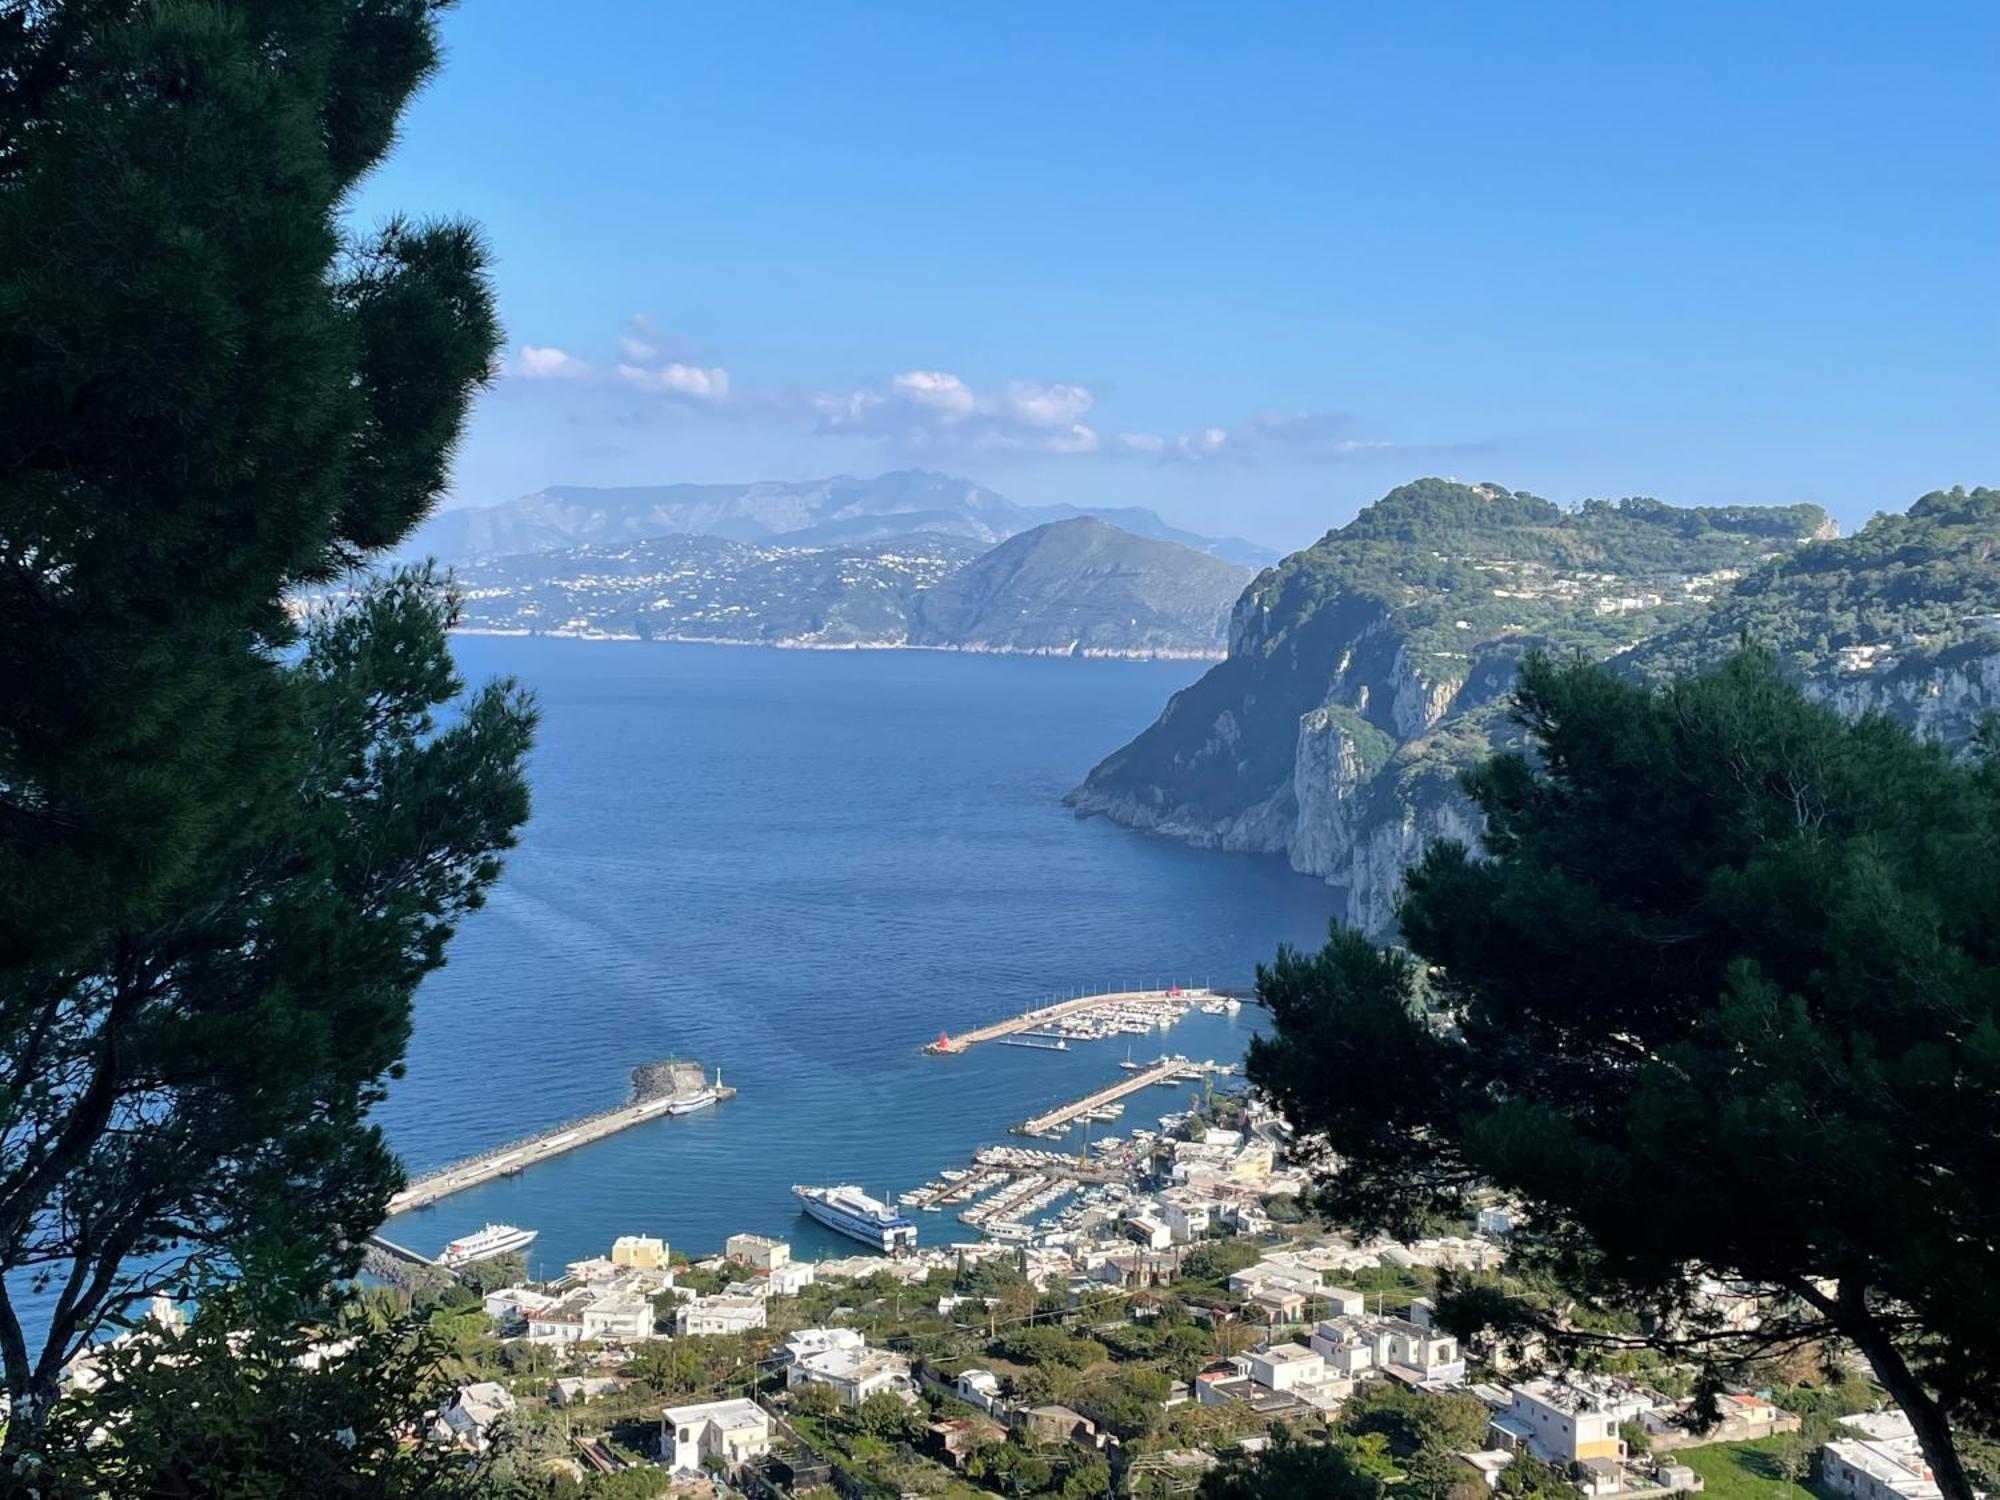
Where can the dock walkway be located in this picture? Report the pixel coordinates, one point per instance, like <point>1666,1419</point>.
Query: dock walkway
<point>1160,1072</point>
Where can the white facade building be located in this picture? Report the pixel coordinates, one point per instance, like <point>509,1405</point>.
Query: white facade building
<point>1286,1367</point>
<point>1561,1423</point>
<point>756,1251</point>
<point>618,1319</point>
<point>790,1279</point>
<point>731,1432</point>
<point>710,1315</point>
<point>1884,1463</point>
<point>853,1375</point>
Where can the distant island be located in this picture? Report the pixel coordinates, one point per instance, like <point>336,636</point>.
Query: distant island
<point>1366,671</point>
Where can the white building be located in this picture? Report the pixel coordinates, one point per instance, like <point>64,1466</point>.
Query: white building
<point>1560,1423</point>
<point>1286,1367</point>
<point>756,1251</point>
<point>731,1432</point>
<point>511,1304</point>
<point>1186,1218</point>
<point>618,1319</point>
<point>980,1388</point>
<point>1884,1462</point>
<point>1272,1275</point>
<point>1347,1303</point>
<point>1344,1350</point>
<point>790,1279</point>
<point>853,1374</point>
<point>809,1341</point>
<point>707,1315</point>
<point>468,1420</point>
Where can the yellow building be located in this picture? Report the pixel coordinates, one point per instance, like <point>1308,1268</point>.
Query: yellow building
<point>640,1252</point>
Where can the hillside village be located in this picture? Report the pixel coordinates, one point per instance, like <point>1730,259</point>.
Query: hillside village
<point>1195,1320</point>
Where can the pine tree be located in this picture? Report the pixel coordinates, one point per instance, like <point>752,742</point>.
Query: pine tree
<point>232,841</point>
<point>1722,1001</point>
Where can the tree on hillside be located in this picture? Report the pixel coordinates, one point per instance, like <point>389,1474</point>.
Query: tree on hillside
<point>1723,1000</point>
<point>230,844</point>
<point>226,1407</point>
<point>1293,1470</point>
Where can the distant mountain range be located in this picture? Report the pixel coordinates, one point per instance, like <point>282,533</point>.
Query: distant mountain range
<point>813,513</point>
<point>1076,587</point>
<point>1365,672</point>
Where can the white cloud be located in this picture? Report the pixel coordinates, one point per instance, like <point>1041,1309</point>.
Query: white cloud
<point>1207,443</point>
<point>1075,438</point>
<point>1046,405</point>
<point>938,415</point>
<point>545,362</point>
<point>697,382</point>
<point>937,390</point>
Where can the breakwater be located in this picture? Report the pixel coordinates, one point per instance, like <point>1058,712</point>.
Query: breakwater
<point>518,1156</point>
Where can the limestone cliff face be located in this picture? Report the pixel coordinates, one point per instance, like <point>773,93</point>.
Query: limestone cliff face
<point>1941,699</point>
<point>1364,673</point>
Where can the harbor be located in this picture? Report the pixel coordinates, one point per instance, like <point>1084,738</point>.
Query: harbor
<point>660,1090</point>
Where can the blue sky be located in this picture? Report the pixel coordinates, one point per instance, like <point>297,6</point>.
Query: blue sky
<point>1249,264</point>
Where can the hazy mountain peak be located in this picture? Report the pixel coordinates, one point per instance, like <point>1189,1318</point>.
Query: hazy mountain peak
<point>842,510</point>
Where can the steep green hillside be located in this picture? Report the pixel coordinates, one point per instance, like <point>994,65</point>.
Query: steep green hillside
<point>1365,670</point>
<point>1085,587</point>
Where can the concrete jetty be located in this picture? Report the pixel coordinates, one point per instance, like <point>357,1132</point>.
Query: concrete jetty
<point>518,1156</point>
<point>1166,1069</point>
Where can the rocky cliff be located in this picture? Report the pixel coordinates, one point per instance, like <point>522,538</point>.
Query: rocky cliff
<point>1364,673</point>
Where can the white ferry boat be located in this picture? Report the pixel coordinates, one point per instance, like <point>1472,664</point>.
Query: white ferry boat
<point>849,1211</point>
<point>494,1239</point>
<point>687,1104</point>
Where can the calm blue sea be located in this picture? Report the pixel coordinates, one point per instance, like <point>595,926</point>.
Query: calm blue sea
<point>800,866</point>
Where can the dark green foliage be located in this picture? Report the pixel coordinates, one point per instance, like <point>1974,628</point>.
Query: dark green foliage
<point>887,1417</point>
<point>1411,1421</point>
<point>1218,1260</point>
<point>1528,1478</point>
<point>1931,576</point>
<point>230,846</point>
<point>815,1399</point>
<point>1047,1345</point>
<point>1292,1470</point>
<point>493,1273</point>
<point>1126,1404</point>
<point>218,1411</point>
<point>1726,994</point>
<point>205,397</point>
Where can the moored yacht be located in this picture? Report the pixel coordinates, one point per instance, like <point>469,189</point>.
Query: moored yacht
<point>849,1211</point>
<point>494,1239</point>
